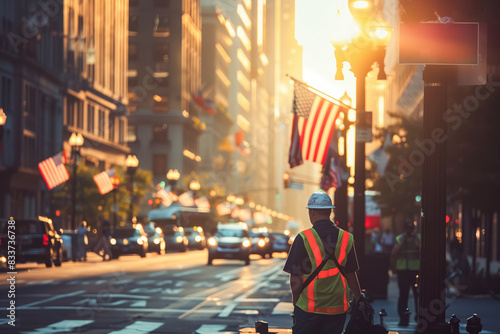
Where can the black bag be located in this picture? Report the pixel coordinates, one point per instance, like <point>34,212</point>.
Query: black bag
<point>361,322</point>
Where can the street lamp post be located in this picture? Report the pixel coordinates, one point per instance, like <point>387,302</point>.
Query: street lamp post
<point>115,181</point>
<point>194,186</point>
<point>362,52</point>
<point>341,199</point>
<point>131,162</point>
<point>76,142</point>
<point>172,176</point>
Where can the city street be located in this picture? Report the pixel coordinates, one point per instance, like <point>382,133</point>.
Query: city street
<point>173,293</point>
<point>176,293</point>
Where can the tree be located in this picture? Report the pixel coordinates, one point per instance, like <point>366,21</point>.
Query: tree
<point>90,204</point>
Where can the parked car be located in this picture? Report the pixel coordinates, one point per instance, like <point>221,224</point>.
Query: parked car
<point>281,242</point>
<point>231,241</point>
<point>156,239</point>
<point>67,236</point>
<point>130,239</point>
<point>175,238</point>
<point>36,240</point>
<point>196,237</point>
<point>261,243</point>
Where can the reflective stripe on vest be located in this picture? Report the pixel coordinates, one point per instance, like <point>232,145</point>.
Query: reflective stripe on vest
<point>409,255</point>
<point>327,292</point>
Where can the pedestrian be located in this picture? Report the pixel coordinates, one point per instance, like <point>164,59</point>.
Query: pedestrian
<point>321,307</point>
<point>387,240</point>
<point>405,258</point>
<point>82,241</point>
<point>103,242</point>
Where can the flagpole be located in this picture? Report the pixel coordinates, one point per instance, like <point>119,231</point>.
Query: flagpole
<point>317,90</point>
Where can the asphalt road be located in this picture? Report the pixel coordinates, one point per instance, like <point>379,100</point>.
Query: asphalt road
<point>171,293</point>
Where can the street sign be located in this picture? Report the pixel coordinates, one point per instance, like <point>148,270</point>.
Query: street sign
<point>364,128</point>
<point>297,186</point>
<point>439,43</point>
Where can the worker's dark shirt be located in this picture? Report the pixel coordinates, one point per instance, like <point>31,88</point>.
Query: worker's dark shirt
<point>298,262</point>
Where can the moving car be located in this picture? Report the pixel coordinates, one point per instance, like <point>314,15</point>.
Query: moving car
<point>281,242</point>
<point>130,239</point>
<point>175,238</point>
<point>231,241</point>
<point>261,243</point>
<point>196,237</point>
<point>36,240</point>
<point>156,239</point>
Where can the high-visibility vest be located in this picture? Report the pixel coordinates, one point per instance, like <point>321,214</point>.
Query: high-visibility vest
<point>408,257</point>
<point>327,292</point>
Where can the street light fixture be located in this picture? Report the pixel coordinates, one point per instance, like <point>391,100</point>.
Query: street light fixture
<point>3,120</point>
<point>361,52</point>
<point>115,182</point>
<point>172,176</point>
<point>75,141</point>
<point>131,162</point>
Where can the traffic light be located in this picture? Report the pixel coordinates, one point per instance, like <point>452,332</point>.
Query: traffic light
<point>286,180</point>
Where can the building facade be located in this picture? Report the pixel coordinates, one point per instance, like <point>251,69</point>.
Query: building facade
<point>164,70</point>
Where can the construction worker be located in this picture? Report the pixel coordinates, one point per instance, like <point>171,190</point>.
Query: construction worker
<point>405,258</point>
<point>321,306</point>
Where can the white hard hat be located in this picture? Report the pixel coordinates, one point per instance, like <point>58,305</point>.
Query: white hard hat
<point>319,200</point>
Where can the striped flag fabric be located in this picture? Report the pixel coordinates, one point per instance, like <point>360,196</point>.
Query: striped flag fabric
<point>186,198</point>
<point>103,181</point>
<point>314,119</point>
<point>53,170</point>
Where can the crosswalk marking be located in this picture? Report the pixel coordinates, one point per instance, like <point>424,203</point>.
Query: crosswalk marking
<point>61,326</point>
<point>139,327</point>
<point>187,273</point>
<point>210,329</point>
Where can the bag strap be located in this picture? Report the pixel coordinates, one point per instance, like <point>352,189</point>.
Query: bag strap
<point>320,267</point>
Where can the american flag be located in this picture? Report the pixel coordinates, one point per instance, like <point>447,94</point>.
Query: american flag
<point>186,199</point>
<point>313,126</point>
<point>53,170</point>
<point>103,181</point>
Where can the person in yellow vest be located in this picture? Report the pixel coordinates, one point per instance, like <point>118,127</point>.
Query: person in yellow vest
<point>405,258</point>
<point>321,306</point>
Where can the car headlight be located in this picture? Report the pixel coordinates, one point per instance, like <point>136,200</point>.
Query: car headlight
<point>261,243</point>
<point>140,241</point>
<point>156,241</point>
<point>212,242</point>
<point>246,243</point>
<point>197,238</point>
<point>3,259</point>
<point>178,239</point>
<point>112,241</point>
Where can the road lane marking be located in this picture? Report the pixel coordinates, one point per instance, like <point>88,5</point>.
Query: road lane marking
<point>140,303</point>
<point>229,308</point>
<point>159,273</point>
<point>210,329</point>
<point>120,309</point>
<point>260,300</point>
<point>43,282</point>
<point>147,281</point>
<point>62,326</point>
<point>75,293</point>
<point>187,273</point>
<point>204,284</point>
<point>139,327</point>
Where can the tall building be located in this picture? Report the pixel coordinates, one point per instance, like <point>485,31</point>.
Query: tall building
<point>164,71</point>
<point>62,68</point>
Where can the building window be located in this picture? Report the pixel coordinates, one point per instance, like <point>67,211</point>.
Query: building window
<point>161,3</point>
<point>112,128</point>
<point>102,123</point>
<point>160,103</point>
<point>133,23</point>
<point>161,27</point>
<point>79,114</point>
<point>90,118</point>
<point>131,133</point>
<point>159,165</point>
<point>70,112</point>
<point>161,52</point>
<point>121,132</point>
<point>132,55</point>
<point>160,133</point>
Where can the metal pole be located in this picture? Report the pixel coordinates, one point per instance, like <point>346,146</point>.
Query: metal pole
<point>432,299</point>
<point>114,209</point>
<point>359,170</point>
<point>73,197</point>
<point>131,208</point>
<point>341,199</point>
